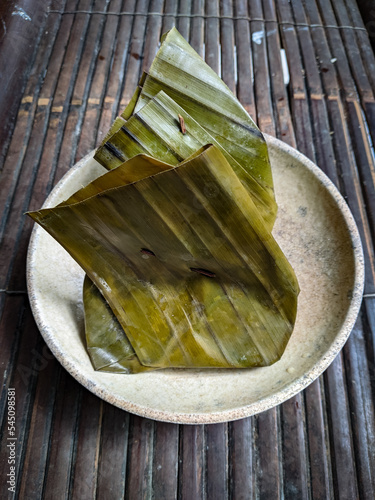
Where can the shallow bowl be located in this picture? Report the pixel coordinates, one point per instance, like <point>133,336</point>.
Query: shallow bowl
<point>317,233</point>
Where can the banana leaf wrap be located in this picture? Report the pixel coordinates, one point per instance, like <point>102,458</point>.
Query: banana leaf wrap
<point>182,74</point>
<point>185,262</point>
<point>155,130</point>
<point>108,347</point>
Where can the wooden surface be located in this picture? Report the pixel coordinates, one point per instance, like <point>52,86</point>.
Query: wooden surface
<point>70,74</point>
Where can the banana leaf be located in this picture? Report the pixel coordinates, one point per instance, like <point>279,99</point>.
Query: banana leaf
<point>182,74</point>
<point>155,130</point>
<point>185,262</point>
<point>108,347</point>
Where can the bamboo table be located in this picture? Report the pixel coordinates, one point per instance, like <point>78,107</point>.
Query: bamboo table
<point>68,67</point>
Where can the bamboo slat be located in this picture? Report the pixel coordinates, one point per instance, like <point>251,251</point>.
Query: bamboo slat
<point>344,468</point>
<point>62,439</point>
<point>318,441</point>
<point>262,92</point>
<point>183,20</point>
<point>84,474</point>
<point>192,481</point>
<point>140,458</point>
<point>170,11</point>
<point>241,458</point>
<point>217,461</point>
<point>245,91</point>
<point>166,461</point>
<point>227,45</point>
<point>197,27</point>
<point>269,464</point>
<point>113,453</point>
<point>212,37</point>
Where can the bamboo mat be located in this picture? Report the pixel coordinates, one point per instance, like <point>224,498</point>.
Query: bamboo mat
<point>88,56</point>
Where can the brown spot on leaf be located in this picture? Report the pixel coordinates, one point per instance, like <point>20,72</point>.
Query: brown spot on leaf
<point>182,124</point>
<point>203,271</point>
<point>146,251</point>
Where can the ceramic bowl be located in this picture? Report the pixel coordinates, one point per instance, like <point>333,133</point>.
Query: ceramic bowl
<point>317,233</point>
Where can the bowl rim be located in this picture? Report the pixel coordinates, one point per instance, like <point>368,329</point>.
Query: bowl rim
<point>270,401</point>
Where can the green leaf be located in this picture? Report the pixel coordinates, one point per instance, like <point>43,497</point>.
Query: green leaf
<point>155,130</point>
<point>185,262</point>
<point>200,96</point>
<point>107,344</point>
<point>180,72</point>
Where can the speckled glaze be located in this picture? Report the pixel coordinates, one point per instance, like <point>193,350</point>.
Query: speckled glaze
<point>317,233</point>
